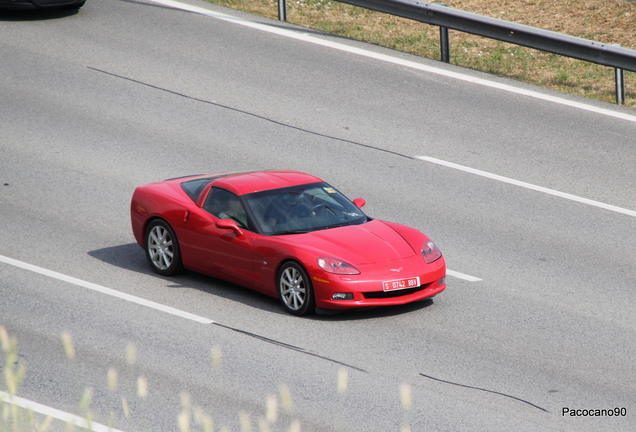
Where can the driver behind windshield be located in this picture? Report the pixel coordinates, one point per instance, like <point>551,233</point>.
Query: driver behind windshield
<point>303,208</point>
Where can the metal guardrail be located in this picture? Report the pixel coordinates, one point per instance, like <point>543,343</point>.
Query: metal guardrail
<point>544,40</point>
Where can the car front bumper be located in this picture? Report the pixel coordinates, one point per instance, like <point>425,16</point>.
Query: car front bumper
<point>366,288</point>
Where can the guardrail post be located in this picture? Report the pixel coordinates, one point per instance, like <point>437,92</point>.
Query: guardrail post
<point>620,86</point>
<point>282,10</point>
<point>620,83</point>
<point>444,44</point>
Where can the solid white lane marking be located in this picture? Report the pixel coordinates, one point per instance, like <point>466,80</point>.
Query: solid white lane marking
<point>55,413</point>
<point>529,186</point>
<point>294,34</point>
<point>139,300</point>
<point>104,290</point>
<point>463,276</point>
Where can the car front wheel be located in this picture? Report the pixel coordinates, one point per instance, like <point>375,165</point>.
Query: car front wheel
<point>162,248</point>
<point>295,290</point>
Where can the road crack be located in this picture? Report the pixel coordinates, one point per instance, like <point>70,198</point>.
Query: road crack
<point>485,390</point>
<point>216,104</point>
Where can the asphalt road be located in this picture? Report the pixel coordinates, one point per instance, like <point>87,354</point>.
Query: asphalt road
<point>538,315</point>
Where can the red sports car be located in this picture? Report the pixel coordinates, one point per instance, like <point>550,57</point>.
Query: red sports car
<point>286,234</point>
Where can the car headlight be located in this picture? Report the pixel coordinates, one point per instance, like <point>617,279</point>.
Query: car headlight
<point>430,252</point>
<point>332,265</point>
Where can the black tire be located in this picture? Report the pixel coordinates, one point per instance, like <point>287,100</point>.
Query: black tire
<point>74,6</point>
<point>295,290</point>
<point>162,248</point>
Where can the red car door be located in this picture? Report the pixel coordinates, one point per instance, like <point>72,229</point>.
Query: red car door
<point>219,252</point>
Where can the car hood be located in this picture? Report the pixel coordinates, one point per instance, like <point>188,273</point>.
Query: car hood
<point>368,243</point>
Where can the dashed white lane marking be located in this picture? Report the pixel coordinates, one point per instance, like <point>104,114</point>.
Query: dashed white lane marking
<point>104,290</point>
<point>463,276</point>
<point>55,413</point>
<point>530,186</point>
<point>297,35</point>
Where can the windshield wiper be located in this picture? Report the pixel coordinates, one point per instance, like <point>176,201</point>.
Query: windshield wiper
<point>292,232</point>
<point>346,223</point>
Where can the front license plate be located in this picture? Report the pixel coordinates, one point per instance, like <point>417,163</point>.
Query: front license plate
<point>399,284</point>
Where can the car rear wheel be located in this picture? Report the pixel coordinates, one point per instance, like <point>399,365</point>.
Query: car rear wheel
<point>162,248</point>
<point>295,290</point>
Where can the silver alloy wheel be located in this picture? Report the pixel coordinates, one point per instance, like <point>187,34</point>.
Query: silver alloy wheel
<point>160,248</point>
<point>292,288</point>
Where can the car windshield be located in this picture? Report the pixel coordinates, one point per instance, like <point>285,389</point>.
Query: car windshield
<point>301,209</point>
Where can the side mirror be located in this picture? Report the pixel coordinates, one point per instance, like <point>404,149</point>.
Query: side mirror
<point>359,202</point>
<point>229,224</point>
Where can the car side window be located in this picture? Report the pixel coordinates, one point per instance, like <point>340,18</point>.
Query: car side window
<point>225,205</point>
